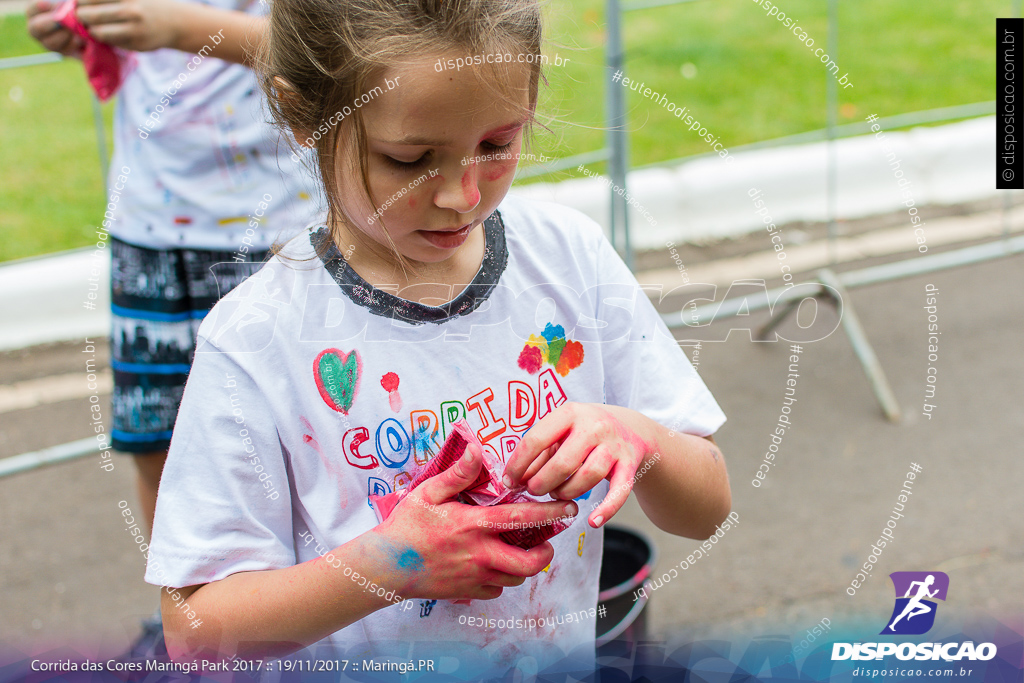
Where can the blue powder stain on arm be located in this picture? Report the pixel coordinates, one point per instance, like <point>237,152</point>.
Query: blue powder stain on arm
<point>410,560</point>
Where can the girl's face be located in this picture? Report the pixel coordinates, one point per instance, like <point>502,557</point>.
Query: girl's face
<point>442,153</point>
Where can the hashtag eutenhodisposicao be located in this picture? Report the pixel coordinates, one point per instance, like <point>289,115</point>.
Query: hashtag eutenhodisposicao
<point>878,546</point>
<point>132,527</point>
<point>688,119</point>
<point>530,624</point>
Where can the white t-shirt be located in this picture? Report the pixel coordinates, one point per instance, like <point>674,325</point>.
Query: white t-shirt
<point>193,132</point>
<point>298,357</point>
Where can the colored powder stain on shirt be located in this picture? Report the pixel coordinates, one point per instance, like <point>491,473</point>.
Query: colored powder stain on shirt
<point>552,332</point>
<point>530,359</point>
<point>410,560</point>
<point>422,438</point>
<point>570,359</point>
<point>540,342</point>
<point>389,381</point>
<point>424,443</point>
<point>390,384</point>
<point>395,401</point>
<point>555,347</point>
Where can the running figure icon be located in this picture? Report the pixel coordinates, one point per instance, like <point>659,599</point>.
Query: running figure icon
<point>915,606</point>
<point>916,596</point>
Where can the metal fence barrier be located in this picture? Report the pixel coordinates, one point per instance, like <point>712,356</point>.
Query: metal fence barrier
<point>616,154</point>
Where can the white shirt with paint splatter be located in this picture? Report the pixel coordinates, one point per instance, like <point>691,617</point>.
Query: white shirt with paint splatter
<point>338,401</point>
<point>205,163</point>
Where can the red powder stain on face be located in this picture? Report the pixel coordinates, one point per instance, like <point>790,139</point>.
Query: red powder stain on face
<point>530,359</point>
<point>511,128</point>
<point>469,190</point>
<point>571,358</point>
<point>498,172</point>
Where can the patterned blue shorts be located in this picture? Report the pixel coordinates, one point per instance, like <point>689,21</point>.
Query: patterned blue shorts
<point>159,298</point>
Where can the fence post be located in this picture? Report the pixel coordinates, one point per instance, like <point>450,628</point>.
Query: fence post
<point>617,142</point>
<point>101,142</point>
<point>831,106</point>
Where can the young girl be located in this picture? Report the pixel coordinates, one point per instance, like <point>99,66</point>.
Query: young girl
<point>427,297</point>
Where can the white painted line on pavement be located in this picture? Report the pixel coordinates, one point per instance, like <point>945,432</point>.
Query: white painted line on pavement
<point>809,257</point>
<point>47,456</point>
<point>53,389</point>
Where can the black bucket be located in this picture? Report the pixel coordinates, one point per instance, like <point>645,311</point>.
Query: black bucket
<point>627,560</point>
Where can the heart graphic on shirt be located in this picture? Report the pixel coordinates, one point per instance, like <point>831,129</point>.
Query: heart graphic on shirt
<point>337,376</point>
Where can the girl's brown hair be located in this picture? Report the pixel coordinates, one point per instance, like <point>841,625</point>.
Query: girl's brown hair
<point>322,55</point>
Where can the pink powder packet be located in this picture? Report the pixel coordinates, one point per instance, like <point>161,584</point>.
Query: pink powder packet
<point>105,66</point>
<point>532,536</point>
<point>486,490</point>
<point>384,505</point>
<point>453,448</point>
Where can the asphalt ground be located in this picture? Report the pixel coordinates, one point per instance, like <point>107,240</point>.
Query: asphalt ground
<point>69,572</point>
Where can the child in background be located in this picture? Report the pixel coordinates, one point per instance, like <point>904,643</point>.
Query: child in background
<point>427,297</point>
<point>199,177</point>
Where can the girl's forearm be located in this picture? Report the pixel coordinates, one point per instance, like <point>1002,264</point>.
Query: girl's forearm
<point>229,35</point>
<point>275,612</point>
<point>685,491</point>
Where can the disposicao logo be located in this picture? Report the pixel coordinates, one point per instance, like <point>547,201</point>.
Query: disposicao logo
<point>914,615</point>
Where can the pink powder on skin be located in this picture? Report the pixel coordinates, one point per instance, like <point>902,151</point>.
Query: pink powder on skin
<point>503,130</point>
<point>469,190</point>
<point>487,487</point>
<point>640,447</point>
<point>503,168</point>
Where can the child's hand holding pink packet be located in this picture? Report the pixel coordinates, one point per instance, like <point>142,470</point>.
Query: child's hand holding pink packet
<point>105,66</point>
<point>486,490</point>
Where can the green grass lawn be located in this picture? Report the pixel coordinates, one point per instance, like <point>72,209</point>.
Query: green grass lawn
<point>754,80</point>
<point>51,186</point>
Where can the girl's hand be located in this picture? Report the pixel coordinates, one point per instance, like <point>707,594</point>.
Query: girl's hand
<point>572,449</point>
<point>45,29</point>
<point>140,25</point>
<point>452,551</point>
